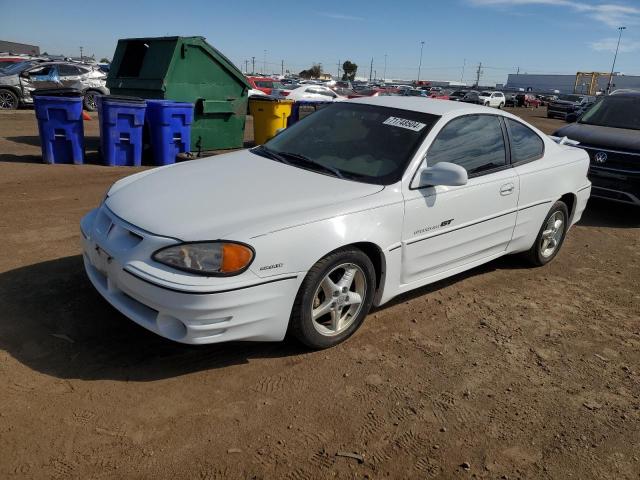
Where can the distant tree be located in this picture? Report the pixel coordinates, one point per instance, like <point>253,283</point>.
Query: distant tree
<point>45,54</point>
<point>105,60</point>
<point>350,70</point>
<point>314,72</point>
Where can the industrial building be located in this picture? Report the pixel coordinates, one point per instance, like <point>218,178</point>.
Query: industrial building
<point>19,48</point>
<point>585,83</point>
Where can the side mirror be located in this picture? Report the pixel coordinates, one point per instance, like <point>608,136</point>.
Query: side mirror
<point>443,173</point>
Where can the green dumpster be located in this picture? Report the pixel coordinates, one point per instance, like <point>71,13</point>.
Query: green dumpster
<point>185,69</point>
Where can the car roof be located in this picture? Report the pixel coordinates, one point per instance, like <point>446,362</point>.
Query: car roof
<point>627,92</point>
<point>424,105</point>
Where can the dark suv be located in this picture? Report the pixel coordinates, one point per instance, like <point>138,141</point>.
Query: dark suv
<point>610,133</point>
<point>569,107</point>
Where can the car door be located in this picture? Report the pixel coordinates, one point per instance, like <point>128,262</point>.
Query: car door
<point>69,75</point>
<point>41,76</point>
<point>449,228</point>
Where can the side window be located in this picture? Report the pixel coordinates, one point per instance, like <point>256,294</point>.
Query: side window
<point>67,70</point>
<point>474,142</point>
<point>525,143</point>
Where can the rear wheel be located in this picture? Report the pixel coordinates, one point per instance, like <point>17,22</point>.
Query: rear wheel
<point>90,100</point>
<point>8,100</point>
<point>334,299</point>
<point>551,235</point>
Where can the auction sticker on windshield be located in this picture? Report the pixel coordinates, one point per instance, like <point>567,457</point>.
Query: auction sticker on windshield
<point>404,123</point>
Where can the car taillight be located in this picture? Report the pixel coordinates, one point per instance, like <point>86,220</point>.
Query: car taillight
<point>284,93</point>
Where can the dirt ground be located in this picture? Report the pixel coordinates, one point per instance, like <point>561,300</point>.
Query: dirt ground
<point>503,372</point>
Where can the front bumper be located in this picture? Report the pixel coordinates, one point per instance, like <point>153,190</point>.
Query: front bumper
<point>616,185</point>
<point>181,307</point>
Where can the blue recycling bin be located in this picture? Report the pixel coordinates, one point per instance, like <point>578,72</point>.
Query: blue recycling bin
<point>59,115</point>
<point>302,108</point>
<point>121,123</point>
<point>169,124</point>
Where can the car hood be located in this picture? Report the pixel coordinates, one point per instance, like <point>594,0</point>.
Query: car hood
<point>604,137</point>
<point>214,197</point>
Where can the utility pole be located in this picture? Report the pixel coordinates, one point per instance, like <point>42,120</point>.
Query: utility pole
<point>246,66</point>
<point>371,69</point>
<point>81,56</point>
<point>478,73</point>
<point>338,69</point>
<point>464,64</point>
<point>420,64</point>
<point>375,74</point>
<point>253,65</point>
<point>264,62</point>
<point>620,29</point>
<point>282,67</point>
<point>384,74</point>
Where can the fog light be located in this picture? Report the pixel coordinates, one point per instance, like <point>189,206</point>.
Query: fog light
<point>171,327</point>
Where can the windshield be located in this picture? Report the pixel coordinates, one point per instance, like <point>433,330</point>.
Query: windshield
<point>614,111</point>
<point>570,98</point>
<point>485,94</point>
<point>359,142</point>
<point>15,68</point>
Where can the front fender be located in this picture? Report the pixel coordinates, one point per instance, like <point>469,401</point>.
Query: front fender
<point>297,249</point>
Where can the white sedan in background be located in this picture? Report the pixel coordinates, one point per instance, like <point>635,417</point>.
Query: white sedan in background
<point>313,92</point>
<point>360,202</point>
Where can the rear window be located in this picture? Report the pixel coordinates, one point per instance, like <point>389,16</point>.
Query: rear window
<point>526,145</point>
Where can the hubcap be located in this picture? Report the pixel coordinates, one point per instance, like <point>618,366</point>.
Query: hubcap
<point>552,234</point>
<point>91,100</point>
<point>7,101</point>
<point>338,299</point>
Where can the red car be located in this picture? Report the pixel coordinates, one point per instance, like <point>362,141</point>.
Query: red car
<point>527,100</point>
<point>266,85</point>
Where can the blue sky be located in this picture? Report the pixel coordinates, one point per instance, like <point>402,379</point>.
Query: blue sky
<point>539,36</point>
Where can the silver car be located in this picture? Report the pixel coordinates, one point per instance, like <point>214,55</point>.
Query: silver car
<point>20,79</point>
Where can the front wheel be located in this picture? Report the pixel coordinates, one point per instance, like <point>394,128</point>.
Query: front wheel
<point>334,299</point>
<point>8,100</point>
<point>500,106</point>
<point>551,235</point>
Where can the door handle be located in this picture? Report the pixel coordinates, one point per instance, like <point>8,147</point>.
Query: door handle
<point>507,189</point>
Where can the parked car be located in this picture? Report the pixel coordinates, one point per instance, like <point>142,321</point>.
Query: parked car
<point>510,99</point>
<point>18,81</point>
<point>313,92</point>
<point>527,100</point>
<point>457,95</point>
<point>567,106</point>
<point>472,96</point>
<point>492,99</point>
<point>610,133</point>
<point>360,202</point>
<point>265,84</point>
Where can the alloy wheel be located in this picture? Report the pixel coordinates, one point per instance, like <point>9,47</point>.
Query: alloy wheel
<point>338,299</point>
<point>7,100</point>
<point>552,234</point>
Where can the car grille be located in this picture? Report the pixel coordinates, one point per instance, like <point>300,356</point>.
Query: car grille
<point>605,159</point>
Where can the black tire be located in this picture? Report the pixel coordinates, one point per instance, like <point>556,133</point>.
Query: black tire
<point>89,101</point>
<point>301,323</point>
<point>8,100</point>
<point>535,254</point>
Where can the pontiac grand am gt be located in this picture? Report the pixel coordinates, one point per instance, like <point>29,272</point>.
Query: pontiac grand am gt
<point>357,203</point>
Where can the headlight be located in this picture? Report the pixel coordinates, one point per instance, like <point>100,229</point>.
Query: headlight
<point>215,258</point>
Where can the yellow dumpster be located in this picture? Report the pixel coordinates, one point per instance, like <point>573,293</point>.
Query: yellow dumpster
<point>269,116</point>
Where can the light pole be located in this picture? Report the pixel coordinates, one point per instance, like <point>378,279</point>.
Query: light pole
<point>264,63</point>
<point>420,64</point>
<point>384,74</point>
<point>620,29</point>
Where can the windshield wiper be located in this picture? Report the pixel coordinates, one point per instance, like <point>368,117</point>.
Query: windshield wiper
<point>307,161</point>
<point>267,152</point>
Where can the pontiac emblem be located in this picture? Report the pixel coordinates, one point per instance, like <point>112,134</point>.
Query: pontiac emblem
<point>600,157</point>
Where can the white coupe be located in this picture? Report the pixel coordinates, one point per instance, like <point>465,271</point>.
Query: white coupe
<point>355,204</point>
